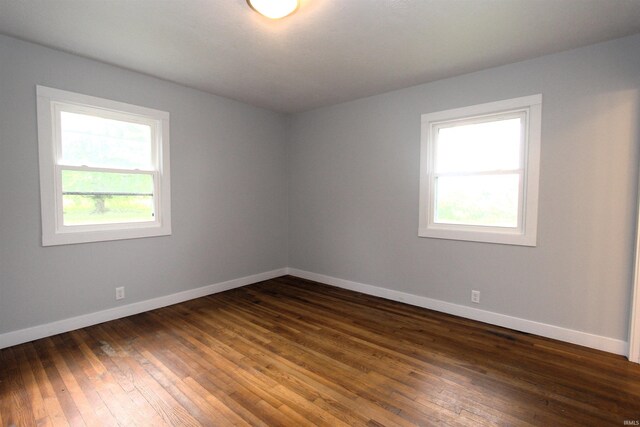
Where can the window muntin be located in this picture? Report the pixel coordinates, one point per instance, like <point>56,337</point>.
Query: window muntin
<point>479,172</point>
<point>104,169</point>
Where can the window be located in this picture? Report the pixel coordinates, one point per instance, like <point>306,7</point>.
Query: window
<point>104,169</point>
<point>479,172</point>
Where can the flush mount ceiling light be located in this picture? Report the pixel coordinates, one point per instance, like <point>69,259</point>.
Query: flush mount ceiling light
<point>274,9</point>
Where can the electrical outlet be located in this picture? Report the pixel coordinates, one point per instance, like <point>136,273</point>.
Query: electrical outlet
<point>475,297</point>
<point>120,292</point>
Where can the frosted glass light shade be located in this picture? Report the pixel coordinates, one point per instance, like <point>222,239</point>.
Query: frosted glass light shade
<point>274,9</point>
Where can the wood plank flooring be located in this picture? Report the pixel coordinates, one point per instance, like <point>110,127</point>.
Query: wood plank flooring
<point>291,352</point>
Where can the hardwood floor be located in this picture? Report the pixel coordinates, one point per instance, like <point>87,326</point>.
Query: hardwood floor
<point>294,352</point>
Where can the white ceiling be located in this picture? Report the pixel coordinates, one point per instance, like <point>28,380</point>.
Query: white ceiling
<point>328,52</point>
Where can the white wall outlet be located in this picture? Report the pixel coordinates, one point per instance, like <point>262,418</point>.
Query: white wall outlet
<point>120,292</point>
<point>475,297</point>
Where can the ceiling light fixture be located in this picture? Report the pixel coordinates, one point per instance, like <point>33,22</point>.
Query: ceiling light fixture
<point>274,9</point>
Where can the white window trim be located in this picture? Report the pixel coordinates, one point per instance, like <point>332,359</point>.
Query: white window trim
<point>526,232</point>
<point>49,103</point>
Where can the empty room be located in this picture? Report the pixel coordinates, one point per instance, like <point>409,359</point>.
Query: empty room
<point>319,212</point>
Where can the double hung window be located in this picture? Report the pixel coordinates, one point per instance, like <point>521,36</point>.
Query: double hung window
<point>104,169</point>
<point>479,172</point>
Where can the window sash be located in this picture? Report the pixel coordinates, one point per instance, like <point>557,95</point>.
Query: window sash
<point>59,107</point>
<point>432,175</point>
<point>60,165</point>
<point>520,211</point>
<point>59,209</point>
<point>521,114</point>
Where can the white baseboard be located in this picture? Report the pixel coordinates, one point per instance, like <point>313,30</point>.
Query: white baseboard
<point>550,331</point>
<point>29,334</point>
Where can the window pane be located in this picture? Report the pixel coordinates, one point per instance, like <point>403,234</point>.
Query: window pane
<point>479,147</point>
<point>106,198</point>
<point>488,200</point>
<point>99,142</point>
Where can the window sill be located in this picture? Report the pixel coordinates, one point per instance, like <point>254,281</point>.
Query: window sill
<point>82,236</point>
<point>504,238</point>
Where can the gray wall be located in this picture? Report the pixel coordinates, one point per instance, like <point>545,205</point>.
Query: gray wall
<point>354,193</point>
<point>229,194</point>
<point>351,171</point>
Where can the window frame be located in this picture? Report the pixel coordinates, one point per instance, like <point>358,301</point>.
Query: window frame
<point>50,104</point>
<point>525,233</point>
